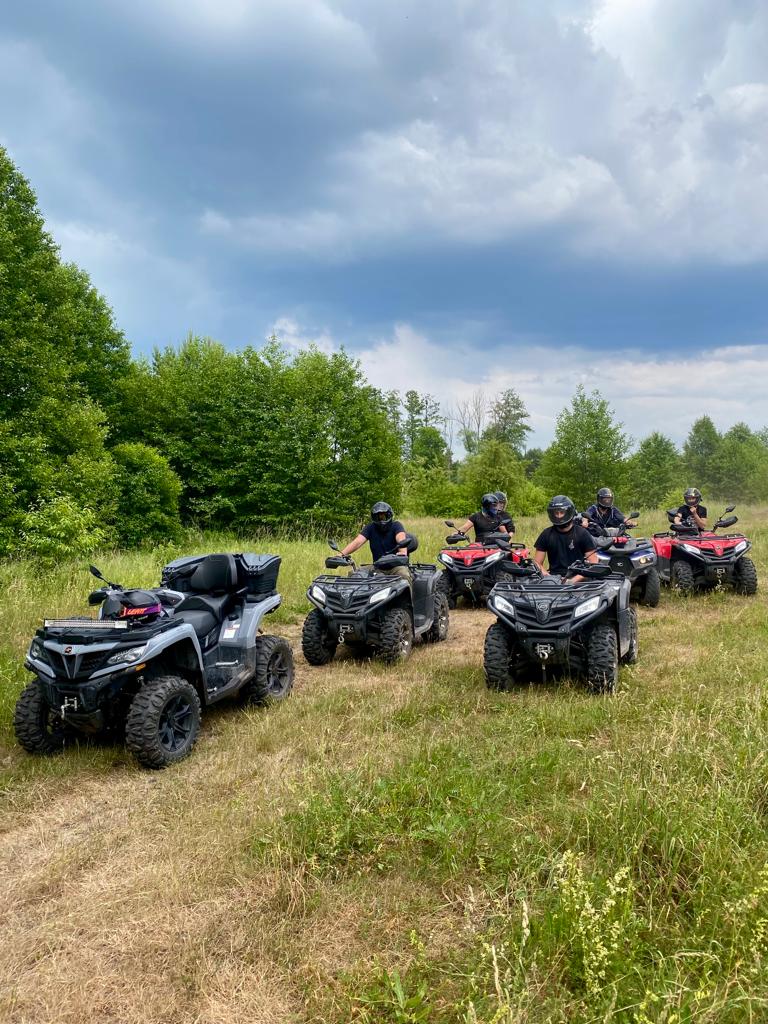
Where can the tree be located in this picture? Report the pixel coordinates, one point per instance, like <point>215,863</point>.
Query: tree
<point>470,416</point>
<point>588,450</point>
<point>62,361</point>
<point>57,335</point>
<point>532,460</point>
<point>653,471</point>
<point>698,452</point>
<point>738,471</point>
<point>148,495</point>
<point>508,420</point>
<point>422,438</point>
<point>495,467</point>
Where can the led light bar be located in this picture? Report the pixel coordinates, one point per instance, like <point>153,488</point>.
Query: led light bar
<point>83,624</point>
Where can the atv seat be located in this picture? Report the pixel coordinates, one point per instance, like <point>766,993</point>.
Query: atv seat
<point>214,587</point>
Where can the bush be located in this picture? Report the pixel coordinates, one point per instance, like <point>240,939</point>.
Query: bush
<point>148,495</point>
<point>59,528</point>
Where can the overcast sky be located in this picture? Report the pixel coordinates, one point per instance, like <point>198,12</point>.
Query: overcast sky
<point>465,193</point>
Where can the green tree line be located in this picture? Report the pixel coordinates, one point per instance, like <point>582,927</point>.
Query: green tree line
<point>99,447</point>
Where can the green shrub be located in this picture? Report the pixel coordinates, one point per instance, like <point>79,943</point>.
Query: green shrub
<point>59,528</point>
<point>148,495</point>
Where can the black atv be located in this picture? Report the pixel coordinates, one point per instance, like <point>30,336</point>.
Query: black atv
<point>472,568</point>
<point>635,557</point>
<point>152,658</point>
<point>373,612</point>
<point>544,624</point>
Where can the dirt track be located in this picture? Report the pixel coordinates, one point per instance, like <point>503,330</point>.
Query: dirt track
<point>131,896</point>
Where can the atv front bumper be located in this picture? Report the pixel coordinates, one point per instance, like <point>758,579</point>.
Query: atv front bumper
<point>86,705</point>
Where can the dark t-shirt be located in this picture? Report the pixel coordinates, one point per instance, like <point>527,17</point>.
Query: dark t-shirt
<point>685,513</point>
<point>564,548</point>
<point>382,541</point>
<point>612,519</point>
<point>507,521</point>
<point>484,524</point>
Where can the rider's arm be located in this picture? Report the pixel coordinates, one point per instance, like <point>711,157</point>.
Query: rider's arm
<point>353,545</point>
<point>400,537</point>
<point>539,560</point>
<point>701,521</point>
<point>466,526</point>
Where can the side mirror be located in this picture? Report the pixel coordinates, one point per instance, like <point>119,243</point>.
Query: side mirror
<point>634,515</point>
<point>730,508</point>
<point>96,572</point>
<point>450,522</point>
<point>333,544</point>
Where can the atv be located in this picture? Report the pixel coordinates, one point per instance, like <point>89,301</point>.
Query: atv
<point>545,625</point>
<point>371,611</point>
<point>690,558</point>
<point>633,556</point>
<point>473,567</point>
<point>153,658</point>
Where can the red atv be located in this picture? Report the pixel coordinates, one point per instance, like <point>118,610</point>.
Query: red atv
<point>471,569</point>
<point>690,558</point>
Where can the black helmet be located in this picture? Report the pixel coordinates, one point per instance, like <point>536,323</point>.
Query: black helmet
<point>490,504</point>
<point>605,497</point>
<point>692,496</point>
<point>502,500</point>
<point>382,514</point>
<point>561,511</point>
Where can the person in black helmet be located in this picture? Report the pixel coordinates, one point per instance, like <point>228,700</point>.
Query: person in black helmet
<point>604,512</point>
<point>565,541</point>
<point>383,534</point>
<point>504,516</point>
<point>692,513</point>
<point>487,520</point>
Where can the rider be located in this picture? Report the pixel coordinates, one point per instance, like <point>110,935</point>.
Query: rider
<point>565,542</point>
<point>604,513</point>
<point>384,533</point>
<point>506,519</point>
<point>692,513</point>
<point>487,520</point>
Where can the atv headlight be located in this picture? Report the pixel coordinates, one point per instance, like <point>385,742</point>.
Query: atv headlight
<point>739,547</point>
<point>128,656</point>
<point>503,605</point>
<point>380,595</point>
<point>644,560</point>
<point>318,593</point>
<point>691,549</point>
<point>36,650</point>
<point>445,559</point>
<point>494,557</point>
<point>586,607</point>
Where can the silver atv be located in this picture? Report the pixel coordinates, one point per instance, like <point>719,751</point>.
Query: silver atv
<point>153,658</point>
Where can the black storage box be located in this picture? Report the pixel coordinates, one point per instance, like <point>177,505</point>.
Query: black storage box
<point>256,572</point>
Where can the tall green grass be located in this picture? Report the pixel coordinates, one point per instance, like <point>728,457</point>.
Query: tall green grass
<point>539,856</point>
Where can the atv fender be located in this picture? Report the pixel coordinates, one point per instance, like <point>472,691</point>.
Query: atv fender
<point>249,622</point>
<point>182,634</point>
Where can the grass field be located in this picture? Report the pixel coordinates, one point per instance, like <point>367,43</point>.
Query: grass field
<point>401,845</point>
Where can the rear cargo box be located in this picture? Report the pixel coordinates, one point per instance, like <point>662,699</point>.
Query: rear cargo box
<point>259,573</point>
<point>256,572</point>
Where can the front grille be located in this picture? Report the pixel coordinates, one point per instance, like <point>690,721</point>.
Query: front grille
<point>347,596</point>
<point>524,595</point>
